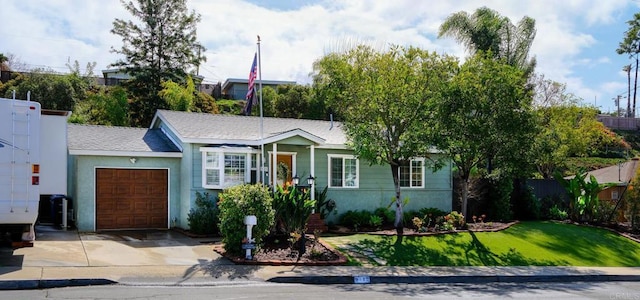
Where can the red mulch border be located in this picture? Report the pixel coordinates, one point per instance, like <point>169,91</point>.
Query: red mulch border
<point>412,232</point>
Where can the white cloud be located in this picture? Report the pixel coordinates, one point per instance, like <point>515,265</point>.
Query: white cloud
<point>48,32</point>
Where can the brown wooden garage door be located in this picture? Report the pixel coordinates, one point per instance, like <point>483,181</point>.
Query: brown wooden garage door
<point>131,198</point>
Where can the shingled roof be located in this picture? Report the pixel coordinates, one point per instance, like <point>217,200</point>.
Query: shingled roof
<point>95,139</point>
<point>211,128</point>
<point>620,174</point>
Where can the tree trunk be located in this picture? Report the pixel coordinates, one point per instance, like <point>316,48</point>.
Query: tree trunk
<point>628,114</point>
<point>465,195</point>
<point>635,89</point>
<point>398,223</point>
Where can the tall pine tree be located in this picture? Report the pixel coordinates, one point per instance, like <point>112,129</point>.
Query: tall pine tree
<point>160,46</point>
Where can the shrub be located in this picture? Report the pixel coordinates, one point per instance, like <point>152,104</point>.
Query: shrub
<point>417,223</point>
<point>548,202</point>
<point>555,213</point>
<point>606,212</point>
<point>237,202</point>
<point>407,216</point>
<point>355,219</point>
<point>500,197</point>
<point>292,207</point>
<point>526,205</point>
<point>324,206</point>
<point>203,219</point>
<point>632,199</point>
<point>584,195</point>
<point>431,211</point>
<point>375,221</point>
<point>456,219</point>
<point>387,215</point>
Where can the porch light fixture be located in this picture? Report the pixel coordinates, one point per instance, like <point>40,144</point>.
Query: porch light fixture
<point>296,180</point>
<point>311,180</point>
<point>133,160</point>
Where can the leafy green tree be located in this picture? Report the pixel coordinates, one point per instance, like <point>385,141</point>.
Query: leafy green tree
<point>292,101</point>
<point>205,103</point>
<point>106,106</point>
<point>161,46</point>
<point>630,45</point>
<point>178,97</point>
<point>486,111</point>
<point>386,99</point>
<point>487,31</point>
<point>269,98</point>
<point>230,107</point>
<point>53,91</point>
<point>569,130</point>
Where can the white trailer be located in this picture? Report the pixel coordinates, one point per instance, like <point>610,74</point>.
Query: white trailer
<point>19,168</point>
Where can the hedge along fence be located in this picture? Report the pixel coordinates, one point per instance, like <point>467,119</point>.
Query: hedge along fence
<point>631,204</point>
<point>239,201</point>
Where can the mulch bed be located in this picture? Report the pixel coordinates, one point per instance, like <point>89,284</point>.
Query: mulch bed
<point>475,227</point>
<point>276,252</point>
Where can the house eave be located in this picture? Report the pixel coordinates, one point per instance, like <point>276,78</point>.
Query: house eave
<point>82,152</point>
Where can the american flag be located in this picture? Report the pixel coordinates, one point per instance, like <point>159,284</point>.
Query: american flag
<point>251,92</point>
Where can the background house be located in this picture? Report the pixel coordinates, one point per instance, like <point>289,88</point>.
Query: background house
<point>235,88</point>
<point>148,178</point>
<point>619,176</point>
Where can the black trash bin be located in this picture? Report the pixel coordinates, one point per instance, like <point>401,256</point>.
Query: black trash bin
<point>56,209</point>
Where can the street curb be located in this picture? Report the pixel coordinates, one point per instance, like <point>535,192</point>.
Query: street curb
<point>51,283</point>
<point>453,279</point>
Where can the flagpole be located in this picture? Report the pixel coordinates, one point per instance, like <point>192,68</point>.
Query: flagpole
<point>262,160</point>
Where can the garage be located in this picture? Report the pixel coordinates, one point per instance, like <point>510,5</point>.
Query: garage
<point>131,198</point>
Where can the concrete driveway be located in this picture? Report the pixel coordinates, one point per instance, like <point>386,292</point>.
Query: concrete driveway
<point>54,247</point>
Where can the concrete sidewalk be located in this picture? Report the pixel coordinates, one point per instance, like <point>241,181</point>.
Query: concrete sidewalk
<point>217,274</point>
<point>68,258</point>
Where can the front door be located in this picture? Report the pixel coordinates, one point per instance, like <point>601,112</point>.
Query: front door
<point>285,168</point>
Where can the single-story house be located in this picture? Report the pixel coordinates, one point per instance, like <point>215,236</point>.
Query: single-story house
<point>123,178</point>
<point>618,176</point>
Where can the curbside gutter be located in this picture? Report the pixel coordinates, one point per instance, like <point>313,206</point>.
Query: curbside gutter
<point>323,280</point>
<point>51,283</point>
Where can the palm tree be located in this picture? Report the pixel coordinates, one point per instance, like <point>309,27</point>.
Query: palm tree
<point>631,45</point>
<point>627,69</point>
<point>486,30</point>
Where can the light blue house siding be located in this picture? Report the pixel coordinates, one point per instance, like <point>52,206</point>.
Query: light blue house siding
<point>83,179</point>
<point>375,183</point>
<point>376,187</point>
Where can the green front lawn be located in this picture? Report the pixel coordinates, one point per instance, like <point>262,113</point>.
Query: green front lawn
<point>524,244</point>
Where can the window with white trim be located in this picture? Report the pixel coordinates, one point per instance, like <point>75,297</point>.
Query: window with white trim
<point>614,195</point>
<point>227,166</point>
<point>343,171</point>
<point>411,173</point>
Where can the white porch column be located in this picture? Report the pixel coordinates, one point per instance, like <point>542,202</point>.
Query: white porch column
<point>274,166</point>
<point>313,171</point>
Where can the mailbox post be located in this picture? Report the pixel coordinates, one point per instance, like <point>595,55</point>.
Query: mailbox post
<point>250,221</point>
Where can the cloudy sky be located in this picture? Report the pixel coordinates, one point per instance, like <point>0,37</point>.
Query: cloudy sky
<point>575,42</point>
